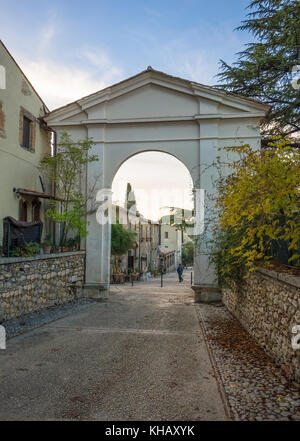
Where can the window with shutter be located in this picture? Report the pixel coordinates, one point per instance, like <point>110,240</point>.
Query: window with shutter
<point>26,132</point>
<point>23,211</point>
<point>36,209</point>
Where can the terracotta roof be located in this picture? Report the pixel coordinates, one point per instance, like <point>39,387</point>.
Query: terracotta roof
<point>26,192</point>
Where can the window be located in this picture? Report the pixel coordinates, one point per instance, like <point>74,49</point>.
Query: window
<point>166,235</point>
<point>36,208</point>
<point>26,132</point>
<point>23,211</point>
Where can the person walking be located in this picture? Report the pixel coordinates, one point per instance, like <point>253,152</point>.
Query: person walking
<point>180,271</point>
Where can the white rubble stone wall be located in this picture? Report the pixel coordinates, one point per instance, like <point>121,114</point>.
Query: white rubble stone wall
<point>34,283</point>
<point>267,304</point>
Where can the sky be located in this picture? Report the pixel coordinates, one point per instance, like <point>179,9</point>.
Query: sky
<point>154,178</point>
<point>71,48</point>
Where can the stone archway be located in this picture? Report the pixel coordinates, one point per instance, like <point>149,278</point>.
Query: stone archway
<point>160,181</point>
<point>156,111</point>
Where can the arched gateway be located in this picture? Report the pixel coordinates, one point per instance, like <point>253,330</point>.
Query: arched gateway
<point>156,111</point>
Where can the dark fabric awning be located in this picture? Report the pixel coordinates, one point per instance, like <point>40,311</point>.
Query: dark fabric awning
<point>16,233</point>
<point>21,224</point>
<point>37,194</point>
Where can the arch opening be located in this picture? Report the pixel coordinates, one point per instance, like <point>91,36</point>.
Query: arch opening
<point>156,188</point>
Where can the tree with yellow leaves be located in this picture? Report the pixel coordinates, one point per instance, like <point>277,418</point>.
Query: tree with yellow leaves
<point>258,205</point>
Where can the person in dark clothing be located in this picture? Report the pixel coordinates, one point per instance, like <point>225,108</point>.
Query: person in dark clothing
<point>180,271</point>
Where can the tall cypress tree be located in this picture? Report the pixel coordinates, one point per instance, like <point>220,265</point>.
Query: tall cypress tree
<point>264,70</point>
<point>129,197</point>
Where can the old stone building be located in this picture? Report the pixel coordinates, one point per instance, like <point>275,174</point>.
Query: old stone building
<point>145,254</point>
<point>171,244</point>
<point>24,140</point>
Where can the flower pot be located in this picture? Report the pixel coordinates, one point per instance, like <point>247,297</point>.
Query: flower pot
<point>47,249</point>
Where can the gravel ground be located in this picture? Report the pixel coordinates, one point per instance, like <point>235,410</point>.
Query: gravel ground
<point>27,322</point>
<point>255,387</point>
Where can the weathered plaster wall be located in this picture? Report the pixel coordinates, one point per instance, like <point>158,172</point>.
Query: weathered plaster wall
<point>32,284</point>
<point>172,242</point>
<point>267,304</point>
<point>19,167</point>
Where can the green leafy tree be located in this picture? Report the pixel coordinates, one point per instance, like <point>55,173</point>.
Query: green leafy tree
<point>122,240</point>
<point>129,197</point>
<point>258,204</point>
<point>188,253</point>
<point>65,170</point>
<point>264,69</point>
<point>179,218</point>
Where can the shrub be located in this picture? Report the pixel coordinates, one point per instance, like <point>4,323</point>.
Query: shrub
<point>26,250</point>
<point>257,203</point>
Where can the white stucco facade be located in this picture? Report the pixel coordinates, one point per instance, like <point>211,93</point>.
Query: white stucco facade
<point>153,111</point>
<point>20,165</point>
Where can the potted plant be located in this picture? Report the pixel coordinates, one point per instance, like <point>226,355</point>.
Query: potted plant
<point>28,249</point>
<point>55,249</point>
<point>47,245</point>
<point>71,244</point>
<point>16,252</point>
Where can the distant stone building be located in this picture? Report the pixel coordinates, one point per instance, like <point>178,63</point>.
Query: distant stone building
<point>156,244</point>
<point>145,255</point>
<point>171,246</point>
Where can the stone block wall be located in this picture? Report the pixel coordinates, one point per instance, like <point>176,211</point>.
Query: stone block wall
<point>267,304</point>
<point>31,284</point>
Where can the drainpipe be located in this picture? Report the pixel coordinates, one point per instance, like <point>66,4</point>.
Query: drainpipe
<point>140,244</point>
<point>44,125</point>
<point>54,185</point>
<point>150,245</point>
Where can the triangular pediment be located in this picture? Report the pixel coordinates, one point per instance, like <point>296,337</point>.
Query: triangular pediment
<point>154,95</point>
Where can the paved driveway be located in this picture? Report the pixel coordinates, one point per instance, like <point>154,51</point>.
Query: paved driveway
<point>139,356</point>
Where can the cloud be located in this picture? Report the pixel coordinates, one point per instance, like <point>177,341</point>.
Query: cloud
<point>193,63</point>
<point>104,65</point>
<point>172,185</point>
<point>59,84</point>
<point>196,65</point>
<point>63,76</point>
<point>47,34</point>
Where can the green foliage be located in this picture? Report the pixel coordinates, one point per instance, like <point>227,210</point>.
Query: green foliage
<point>47,243</point>
<point>73,242</point>
<point>179,218</point>
<point>26,250</point>
<point>122,240</point>
<point>264,69</point>
<point>188,253</point>
<point>257,203</point>
<point>65,171</point>
<point>228,267</point>
<point>129,197</point>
